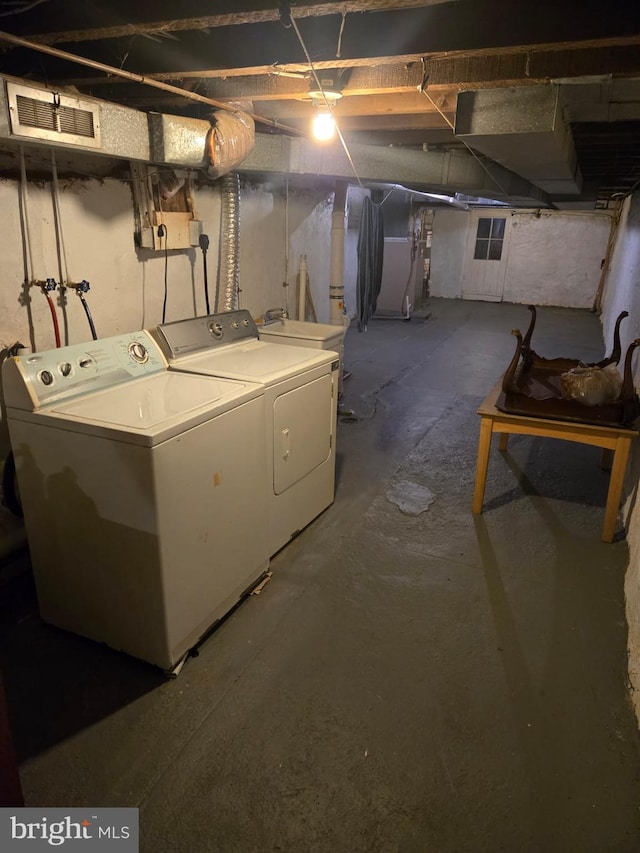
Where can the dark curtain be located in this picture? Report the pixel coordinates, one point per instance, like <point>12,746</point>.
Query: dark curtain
<point>370,256</point>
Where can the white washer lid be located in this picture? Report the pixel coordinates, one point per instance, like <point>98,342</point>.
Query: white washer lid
<point>257,361</point>
<point>151,409</point>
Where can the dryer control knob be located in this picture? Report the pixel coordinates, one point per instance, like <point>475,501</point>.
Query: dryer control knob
<point>138,352</point>
<point>46,377</point>
<point>216,329</point>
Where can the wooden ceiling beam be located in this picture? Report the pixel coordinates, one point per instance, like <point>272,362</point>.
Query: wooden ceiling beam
<point>229,19</point>
<point>461,70</point>
<point>375,105</point>
<point>428,121</point>
<point>374,124</point>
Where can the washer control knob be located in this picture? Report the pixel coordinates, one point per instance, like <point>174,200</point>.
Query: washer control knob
<point>65,368</point>
<point>138,352</point>
<point>46,377</point>
<point>216,329</point>
<point>235,324</point>
<point>86,362</point>
<point>245,322</point>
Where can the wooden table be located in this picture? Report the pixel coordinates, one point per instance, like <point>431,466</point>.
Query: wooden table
<point>614,439</point>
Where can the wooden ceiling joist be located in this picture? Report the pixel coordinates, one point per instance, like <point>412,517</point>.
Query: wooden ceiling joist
<point>374,106</point>
<point>460,70</point>
<point>229,19</point>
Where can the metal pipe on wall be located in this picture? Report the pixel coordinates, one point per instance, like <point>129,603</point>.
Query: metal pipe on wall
<point>302,288</point>
<point>336,282</point>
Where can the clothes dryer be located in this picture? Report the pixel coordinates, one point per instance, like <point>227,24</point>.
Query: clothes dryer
<point>138,485</point>
<point>301,393</point>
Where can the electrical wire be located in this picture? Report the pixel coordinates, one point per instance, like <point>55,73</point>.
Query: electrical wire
<point>344,18</point>
<point>326,100</point>
<point>162,232</point>
<point>204,245</point>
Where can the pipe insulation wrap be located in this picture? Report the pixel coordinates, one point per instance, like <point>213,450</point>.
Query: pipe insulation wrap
<point>230,140</point>
<point>228,246</point>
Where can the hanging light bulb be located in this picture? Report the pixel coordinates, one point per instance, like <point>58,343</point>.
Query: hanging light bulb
<point>324,125</point>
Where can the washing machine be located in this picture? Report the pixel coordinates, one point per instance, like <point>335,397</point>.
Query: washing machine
<point>144,523</point>
<point>301,393</point>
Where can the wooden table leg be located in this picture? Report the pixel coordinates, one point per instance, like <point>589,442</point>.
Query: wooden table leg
<point>504,439</point>
<point>484,446</point>
<point>616,481</point>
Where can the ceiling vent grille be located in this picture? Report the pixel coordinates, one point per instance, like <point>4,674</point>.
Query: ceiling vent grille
<point>42,114</point>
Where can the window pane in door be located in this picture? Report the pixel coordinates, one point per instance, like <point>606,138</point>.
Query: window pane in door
<point>497,228</point>
<point>484,227</point>
<point>482,247</point>
<point>495,250</point>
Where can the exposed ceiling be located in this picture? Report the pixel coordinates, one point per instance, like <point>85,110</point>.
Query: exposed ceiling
<point>551,89</point>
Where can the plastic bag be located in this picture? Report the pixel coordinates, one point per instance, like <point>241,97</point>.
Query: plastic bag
<point>592,386</point>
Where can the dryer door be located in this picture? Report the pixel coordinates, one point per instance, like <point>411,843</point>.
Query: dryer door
<point>301,432</point>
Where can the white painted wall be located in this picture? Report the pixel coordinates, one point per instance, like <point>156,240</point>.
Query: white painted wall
<point>622,292</point>
<point>553,257</point>
<point>310,234</point>
<point>127,284</point>
<point>447,252</point>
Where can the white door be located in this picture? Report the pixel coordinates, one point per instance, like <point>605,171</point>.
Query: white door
<point>486,253</point>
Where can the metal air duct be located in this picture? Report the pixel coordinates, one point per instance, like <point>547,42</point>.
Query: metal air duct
<point>36,114</point>
<point>522,129</point>
<point>228,251</point>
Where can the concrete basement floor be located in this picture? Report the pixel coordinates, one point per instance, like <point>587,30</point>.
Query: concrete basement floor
<point>434,682</point>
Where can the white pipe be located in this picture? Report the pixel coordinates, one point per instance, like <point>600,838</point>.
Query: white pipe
<point>285,282</point>
<point>302,288</point>
<point>64,269</point>
<point>336,282</point>
<point>25,217</point>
